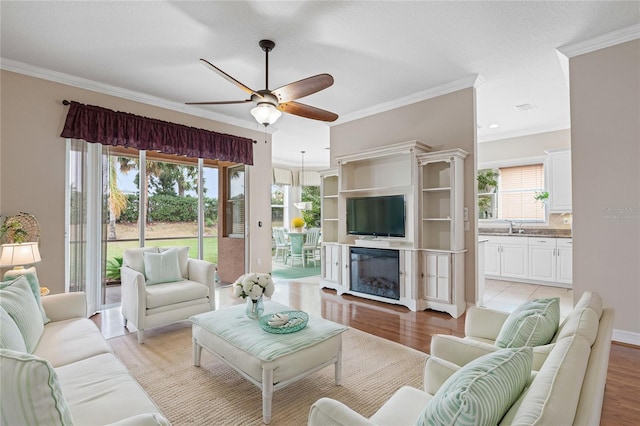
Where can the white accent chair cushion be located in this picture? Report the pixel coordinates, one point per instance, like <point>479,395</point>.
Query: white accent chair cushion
<point>30,386</point>
<point>134,259</point>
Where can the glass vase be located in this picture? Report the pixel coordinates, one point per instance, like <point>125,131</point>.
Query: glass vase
<point>255,308</point>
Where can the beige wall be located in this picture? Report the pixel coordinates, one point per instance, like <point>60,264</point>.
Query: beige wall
<point>32,172</point>
<point>605,134</point>
<point>444,122</point>
<point>523,146</point>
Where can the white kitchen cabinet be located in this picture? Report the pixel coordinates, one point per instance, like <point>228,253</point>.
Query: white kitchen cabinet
<point>542,259</point>
<point>491,257</point>
<point>551,260</point>
<point>514,259</point>
<point>564,261</point>
<point>559,180</point>
<point>506,257</point>
<point>529,259</point>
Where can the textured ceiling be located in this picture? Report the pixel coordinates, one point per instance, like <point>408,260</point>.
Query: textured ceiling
<point>381,54</point>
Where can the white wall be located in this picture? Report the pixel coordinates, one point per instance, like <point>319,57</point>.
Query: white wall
<point>523,146</point>
<point>605,134</point>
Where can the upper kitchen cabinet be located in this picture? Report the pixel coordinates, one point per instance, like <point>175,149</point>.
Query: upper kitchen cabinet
<point>559,180</point>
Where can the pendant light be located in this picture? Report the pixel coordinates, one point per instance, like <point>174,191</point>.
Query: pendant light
<point>302,205</point>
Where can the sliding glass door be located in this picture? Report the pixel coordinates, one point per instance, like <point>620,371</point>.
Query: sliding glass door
<point>140,199</point>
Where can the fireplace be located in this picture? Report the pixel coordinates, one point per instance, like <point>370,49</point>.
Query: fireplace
<point>375,271</point>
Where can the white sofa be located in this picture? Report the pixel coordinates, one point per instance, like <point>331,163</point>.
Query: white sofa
<point>71,376</point>
<point>567,389</point>
<point>147,306</point>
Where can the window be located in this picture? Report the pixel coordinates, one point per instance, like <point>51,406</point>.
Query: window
<point>517,189</point>
<point>234,218</point>
<point>277,204</point>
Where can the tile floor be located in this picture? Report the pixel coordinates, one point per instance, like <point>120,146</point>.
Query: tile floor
<point>507,295</point>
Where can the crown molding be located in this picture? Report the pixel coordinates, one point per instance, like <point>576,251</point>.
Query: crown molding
<point>475,81</point>
<point>69,80</point>
<point>493,137</point>
<point>606,40</point>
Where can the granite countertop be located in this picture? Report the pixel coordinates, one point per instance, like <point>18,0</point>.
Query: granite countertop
<point>528,232</point>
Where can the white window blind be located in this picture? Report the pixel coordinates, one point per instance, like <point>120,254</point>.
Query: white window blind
<point>309,178</point>
<point>282,176</point>
<point>517,189</point>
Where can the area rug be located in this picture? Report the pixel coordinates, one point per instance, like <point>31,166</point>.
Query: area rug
<point>215,394</point>
<point>289,273</point>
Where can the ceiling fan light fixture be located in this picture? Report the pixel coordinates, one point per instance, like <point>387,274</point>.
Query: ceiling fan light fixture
<point>265,114</point>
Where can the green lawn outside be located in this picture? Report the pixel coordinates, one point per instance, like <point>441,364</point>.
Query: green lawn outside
<point>116,248</point>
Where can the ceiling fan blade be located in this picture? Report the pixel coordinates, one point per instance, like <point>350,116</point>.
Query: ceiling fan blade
<point>307,111</point>
<point>228,77</point>
<point>302,88</point>
<point>218,102</point>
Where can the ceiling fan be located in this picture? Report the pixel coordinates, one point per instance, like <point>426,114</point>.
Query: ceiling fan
<point>269,103</point>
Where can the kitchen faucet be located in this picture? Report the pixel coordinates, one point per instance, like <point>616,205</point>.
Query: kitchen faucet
<point>511,225</point>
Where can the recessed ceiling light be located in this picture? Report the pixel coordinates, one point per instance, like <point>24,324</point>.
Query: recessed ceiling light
<point>525,107</point>
<point>494,126</point>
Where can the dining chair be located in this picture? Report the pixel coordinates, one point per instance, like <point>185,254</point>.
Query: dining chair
<point>282,246</point>
<point>311,245</point>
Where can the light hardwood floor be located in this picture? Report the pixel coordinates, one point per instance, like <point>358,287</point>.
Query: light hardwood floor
<point>414,329</point>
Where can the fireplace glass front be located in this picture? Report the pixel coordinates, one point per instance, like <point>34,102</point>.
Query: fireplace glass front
<point>375,271</point>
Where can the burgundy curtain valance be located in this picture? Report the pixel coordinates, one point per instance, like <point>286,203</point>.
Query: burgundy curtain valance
<point>108,127</point>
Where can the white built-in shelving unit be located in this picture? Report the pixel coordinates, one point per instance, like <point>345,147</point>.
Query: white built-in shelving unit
<point>432,251</point>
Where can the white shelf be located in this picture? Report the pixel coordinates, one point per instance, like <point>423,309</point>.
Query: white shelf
<point>327,197</point>
<point>378,189</point>
<point>437,218</point>
<point>444,188</point>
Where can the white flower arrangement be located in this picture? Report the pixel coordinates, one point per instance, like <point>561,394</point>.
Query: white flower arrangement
<point>253,286</point>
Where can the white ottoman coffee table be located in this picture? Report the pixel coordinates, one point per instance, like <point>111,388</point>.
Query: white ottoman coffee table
<point>269,361</point>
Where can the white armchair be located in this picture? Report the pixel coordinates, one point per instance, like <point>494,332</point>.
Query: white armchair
<point>403,408</point>
<point>148,301</point>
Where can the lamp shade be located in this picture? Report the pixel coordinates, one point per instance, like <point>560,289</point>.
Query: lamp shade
<point>304,205</point>
<point>19,254</point>
<point>265,114</point>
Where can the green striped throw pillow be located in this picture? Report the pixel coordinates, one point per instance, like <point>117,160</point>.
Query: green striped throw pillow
<point>533,323</point>
<point>17,299</point>
<point>31,393</point>
<point>162,267</point>
<point>32,278</point>
<point>481,392</point>
<point>10,336</point>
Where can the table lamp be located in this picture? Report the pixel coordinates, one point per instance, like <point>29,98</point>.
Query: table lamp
<point>19,255</point>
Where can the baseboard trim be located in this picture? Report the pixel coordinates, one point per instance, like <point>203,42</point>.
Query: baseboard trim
<point>628,337</point>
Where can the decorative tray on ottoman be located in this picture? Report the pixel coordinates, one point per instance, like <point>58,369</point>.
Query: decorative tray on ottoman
<point>297,321</point>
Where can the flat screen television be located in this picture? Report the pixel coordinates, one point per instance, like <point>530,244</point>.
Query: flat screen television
<point>382,216</point>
